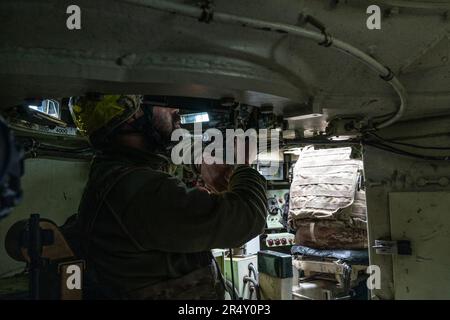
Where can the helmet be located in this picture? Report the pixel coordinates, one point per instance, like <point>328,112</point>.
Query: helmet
<point>97,116</point>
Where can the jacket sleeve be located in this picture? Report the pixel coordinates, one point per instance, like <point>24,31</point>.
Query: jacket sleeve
<point>166,215</point>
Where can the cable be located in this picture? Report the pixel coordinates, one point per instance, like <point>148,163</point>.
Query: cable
<point>219,273</point>
<point>417,4</point>
<point>230,288</point>
<point>321,141</point>
<point>390,114</point>
<point>406,153</point>
<point>409,144</point>
<point>319,37</point>
<point>252,269</point>
<point>6,274</point>
<point>232,274</point>
<point>59,148</point>
<point>248,279</point>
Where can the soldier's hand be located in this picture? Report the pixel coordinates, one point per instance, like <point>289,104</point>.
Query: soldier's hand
<point>216,176</point>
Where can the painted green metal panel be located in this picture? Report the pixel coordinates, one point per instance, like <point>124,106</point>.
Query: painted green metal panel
<point>424,219</point>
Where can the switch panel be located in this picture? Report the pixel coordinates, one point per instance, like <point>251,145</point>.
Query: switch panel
<point>279,239</point>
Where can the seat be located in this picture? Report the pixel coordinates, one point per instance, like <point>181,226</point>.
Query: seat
<point>329,274</point>
<point>352,257</point>
<point>54,271</point>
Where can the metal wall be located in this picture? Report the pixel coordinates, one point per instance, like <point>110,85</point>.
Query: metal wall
<point>51,188</point>
<point>392,183</point>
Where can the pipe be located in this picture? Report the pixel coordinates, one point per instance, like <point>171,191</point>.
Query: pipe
<point>199,13</point>
<point>34,247</point>
<point>251,268</point>
<point>250,279</point>
<point>255,283</point>
<point>417,4</point>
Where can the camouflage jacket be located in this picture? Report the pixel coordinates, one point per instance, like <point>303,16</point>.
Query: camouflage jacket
<point>141,226</point>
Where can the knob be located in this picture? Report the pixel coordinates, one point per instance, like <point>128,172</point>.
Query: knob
<point>277,242</point>
<point>270,242</point>
<point>283,241</point>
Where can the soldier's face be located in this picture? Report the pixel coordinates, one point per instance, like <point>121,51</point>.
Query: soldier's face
<point>166,120</point>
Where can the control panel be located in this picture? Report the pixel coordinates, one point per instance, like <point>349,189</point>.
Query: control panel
<point>279,239</point>
<point>274,221</point>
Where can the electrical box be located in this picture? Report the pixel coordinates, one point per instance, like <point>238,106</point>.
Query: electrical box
<point>240,270</point>
<point>275,275</point>
<point>275,264</point>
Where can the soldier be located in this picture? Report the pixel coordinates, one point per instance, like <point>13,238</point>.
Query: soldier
<point>145,235</point>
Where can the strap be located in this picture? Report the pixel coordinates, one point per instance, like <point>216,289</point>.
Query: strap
<point>314,153</point>
<point>311,231</point>
<point>323,180</point>
<point>330,163</point>
<point>341,203</point>
<point>323,192</point>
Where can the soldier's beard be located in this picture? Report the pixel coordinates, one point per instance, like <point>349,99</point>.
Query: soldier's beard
<point>165,131</point>
<point>159,140</point>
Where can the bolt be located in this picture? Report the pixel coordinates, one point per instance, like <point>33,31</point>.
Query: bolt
<point>421,182</point>
<point>127,60</point>
<point>391,11</point>
<point>372,50</point>
<point>443,181</point>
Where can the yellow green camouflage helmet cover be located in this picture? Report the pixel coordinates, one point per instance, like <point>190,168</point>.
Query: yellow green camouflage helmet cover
<point>97,116</point>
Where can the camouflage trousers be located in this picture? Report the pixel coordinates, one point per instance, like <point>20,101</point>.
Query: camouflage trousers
<point>202,284</point>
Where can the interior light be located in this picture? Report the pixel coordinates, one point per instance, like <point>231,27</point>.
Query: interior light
<point>194,117</point>
<point>340,138</point>
<point>303,116</point>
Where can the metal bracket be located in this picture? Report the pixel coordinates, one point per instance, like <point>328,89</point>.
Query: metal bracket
<point>400,247</point>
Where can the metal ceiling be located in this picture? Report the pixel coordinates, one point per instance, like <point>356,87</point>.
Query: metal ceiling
<point>126,48</point>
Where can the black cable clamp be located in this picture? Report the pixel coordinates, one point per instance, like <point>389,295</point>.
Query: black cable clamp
<point>207,12</point>
<point>328,41</point>
<point>389,76</point>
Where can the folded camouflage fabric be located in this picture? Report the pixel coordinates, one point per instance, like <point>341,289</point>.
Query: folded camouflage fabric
<point>325,198</point>
<point>329,234</point>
